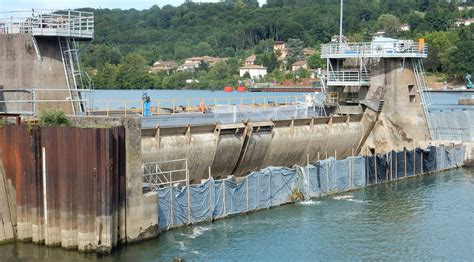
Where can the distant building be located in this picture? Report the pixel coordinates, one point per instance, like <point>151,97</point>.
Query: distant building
<point>192,63</point>
<point>405,27</point>
<point>279,47</point>
<point>380,33</point>
<point>308,51</point>
<point>255,71</point>
<point>299,65</point>
<point>250,60</point>
<point>464,22</point>
<point>461,8</point>
<point>163,66</point>
<point>335,38</point>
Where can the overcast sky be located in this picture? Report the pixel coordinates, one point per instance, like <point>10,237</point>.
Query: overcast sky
<point>12,5</point>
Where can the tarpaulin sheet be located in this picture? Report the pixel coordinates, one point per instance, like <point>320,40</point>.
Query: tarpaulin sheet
<point>274,186</point>
<point>429,159</point>
<point>377,169</point>
<point>331,176</point>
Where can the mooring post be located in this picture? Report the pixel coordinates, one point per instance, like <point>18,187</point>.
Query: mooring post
<point>247,191</point>
<point>396,165</point>
<point>414,157</point>
<point>422,153</point>
<point>375,164</point>
<point>189,193</point>
<point>223,197</point>
<point>405,160</point>
<point>351,178</point>
<point>327,175</point>
<point>211,200</point>
<point>171,204</point>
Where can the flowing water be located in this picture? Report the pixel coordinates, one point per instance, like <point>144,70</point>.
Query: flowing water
<point>425,218</point>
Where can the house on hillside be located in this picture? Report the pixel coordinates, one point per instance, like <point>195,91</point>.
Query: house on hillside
<point>279,48</point>
<point>335,38</point>
<point>405,27</point>
<point>299,65</point>
<point>250,60</point>
<point>163,66</point>
<point>307,51</point>
<point>380,33</point>
<point>190,64</point>
<point>464,22</point>
<point>255,71</point>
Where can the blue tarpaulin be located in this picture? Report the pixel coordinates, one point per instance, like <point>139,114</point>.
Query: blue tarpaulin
<point>273,186</point>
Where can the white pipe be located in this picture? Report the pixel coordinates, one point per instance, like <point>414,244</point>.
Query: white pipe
<point>45,202</point>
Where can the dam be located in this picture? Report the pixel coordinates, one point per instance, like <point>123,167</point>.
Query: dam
<point>143,175</point>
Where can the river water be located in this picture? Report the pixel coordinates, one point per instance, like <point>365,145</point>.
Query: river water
<point>428,217</point>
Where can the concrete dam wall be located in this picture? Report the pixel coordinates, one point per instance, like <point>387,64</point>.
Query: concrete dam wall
<point>24,66</point>
<point>239,149</point>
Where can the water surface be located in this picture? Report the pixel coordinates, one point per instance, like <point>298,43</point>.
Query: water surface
<point>425,218</point>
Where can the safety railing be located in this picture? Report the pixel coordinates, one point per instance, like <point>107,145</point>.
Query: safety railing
<point>165,173</point>
<point>191,105</point>
<point>375,49</point>
<point>337,78</point>
<point>30,101</point>
<point>66,23</point>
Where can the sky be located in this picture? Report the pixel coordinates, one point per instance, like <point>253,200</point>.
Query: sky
<point>19,5</point>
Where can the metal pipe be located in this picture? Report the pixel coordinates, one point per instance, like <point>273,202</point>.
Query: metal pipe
<point>340,22</point>
<point>45,202</point>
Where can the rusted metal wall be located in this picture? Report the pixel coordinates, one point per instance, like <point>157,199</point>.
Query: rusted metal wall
<point>85,184</point>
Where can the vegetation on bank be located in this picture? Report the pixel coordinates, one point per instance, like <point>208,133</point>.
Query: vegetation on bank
<point>128,42</point>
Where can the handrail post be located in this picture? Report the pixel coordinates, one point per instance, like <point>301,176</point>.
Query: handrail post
<point>125,109</point>
<point>188,107</point>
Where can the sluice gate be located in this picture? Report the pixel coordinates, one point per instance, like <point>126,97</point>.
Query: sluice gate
<point>238,149</point>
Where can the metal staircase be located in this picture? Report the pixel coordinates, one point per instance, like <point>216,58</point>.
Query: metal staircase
<point>425,96</point>
<point>76,80</point>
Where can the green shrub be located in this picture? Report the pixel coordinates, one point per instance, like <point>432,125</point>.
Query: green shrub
<point>53,118</point>
<point>3,122</point>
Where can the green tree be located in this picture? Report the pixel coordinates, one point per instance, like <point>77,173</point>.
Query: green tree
<point>389,23</point>
<point>294,49</point>
<point>264,46</point>
<point>438,45</point>
<point>315,61</point>
<point>203,49</point>
<point>269,60</point>
<point>461,58</point>
<point>132,73</point>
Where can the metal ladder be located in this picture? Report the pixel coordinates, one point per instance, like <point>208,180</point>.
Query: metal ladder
<point>425,96</point>
<point>72,71</point>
